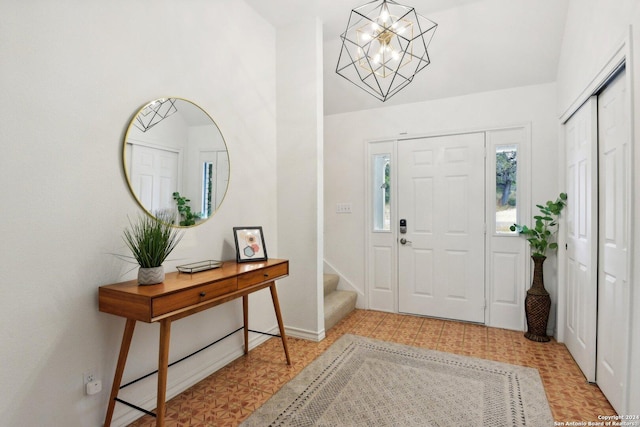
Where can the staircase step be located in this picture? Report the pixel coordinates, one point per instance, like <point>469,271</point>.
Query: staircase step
<point>330,283</point>
<point>338,304</point>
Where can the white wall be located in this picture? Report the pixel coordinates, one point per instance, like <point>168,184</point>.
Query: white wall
<point>300,220</point>
<point>346,135</point>
<point>593,32</point>
<point>73,74</point>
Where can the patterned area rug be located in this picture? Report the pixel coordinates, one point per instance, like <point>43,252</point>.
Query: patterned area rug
<point>364,382</point>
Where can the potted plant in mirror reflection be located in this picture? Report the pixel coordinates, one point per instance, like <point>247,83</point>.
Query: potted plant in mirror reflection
<point>540,237</point>
<point>187,217</point>
<point>151,240</point>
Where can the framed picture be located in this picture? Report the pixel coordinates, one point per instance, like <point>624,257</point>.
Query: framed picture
<point>249,244</point>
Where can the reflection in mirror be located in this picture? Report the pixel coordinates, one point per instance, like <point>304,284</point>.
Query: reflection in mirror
<point>176,160</point>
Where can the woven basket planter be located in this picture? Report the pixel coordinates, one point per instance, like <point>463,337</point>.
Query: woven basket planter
<point>537,304</point>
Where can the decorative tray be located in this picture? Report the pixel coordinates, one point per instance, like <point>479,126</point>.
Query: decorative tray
<point>196,267</point>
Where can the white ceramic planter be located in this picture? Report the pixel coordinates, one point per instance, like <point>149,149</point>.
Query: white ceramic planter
<point>150,276</point>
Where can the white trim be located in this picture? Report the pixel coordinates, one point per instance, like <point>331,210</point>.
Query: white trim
<point>305,334</point>
<point>631,214</point>
<point>447,132</point>
<point>154,145</point>
<point>630,190</point>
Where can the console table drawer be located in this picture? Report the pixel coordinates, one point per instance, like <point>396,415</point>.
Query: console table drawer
<point>263,275</point>
<point>192,296</point>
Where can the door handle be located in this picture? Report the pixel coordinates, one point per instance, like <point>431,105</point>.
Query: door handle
<point>404,241</point>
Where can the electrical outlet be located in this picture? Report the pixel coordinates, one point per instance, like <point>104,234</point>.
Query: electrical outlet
<point>92,385</point>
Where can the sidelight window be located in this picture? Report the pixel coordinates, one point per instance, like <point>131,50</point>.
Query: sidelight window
<point>207,189</point>
<point>506,187</point>
<point>381,192</point>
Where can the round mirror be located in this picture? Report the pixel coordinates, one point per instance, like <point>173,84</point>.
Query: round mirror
<point>176,161</point>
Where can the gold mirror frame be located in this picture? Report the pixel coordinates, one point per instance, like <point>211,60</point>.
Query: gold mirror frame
<point>176,160</point>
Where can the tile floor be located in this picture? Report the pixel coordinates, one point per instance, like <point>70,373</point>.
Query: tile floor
<point>230,395</point>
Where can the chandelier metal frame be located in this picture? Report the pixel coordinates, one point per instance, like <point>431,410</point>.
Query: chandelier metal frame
<point>384,47</point>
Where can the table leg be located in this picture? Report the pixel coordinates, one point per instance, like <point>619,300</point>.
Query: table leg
<point>163,363</point>
<point>276,306</point>
<point>122,360</point>
<point>245,312</point>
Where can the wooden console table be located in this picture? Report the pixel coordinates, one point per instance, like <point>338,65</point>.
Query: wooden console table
<point>181,295</point>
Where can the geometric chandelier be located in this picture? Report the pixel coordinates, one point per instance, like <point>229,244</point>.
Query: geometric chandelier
<point>154,113</point>
<point>384,47</point>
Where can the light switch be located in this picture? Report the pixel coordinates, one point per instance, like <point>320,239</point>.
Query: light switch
<point>343,208</point>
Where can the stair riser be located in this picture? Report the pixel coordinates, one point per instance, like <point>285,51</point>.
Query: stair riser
<point>330,283</point>
<point>337,305</point>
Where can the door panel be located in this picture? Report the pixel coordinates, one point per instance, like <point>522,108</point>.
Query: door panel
<point>613,292</point>
<point>441,195</point>
<point>381,272</point>
<point>154,177</point>
<point>582,222</point>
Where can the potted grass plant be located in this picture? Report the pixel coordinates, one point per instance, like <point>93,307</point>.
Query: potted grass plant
<point>540,237</point>
<point>151,240</point>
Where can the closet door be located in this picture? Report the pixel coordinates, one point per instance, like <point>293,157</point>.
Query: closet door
<point>614,234</point>
<point>582,233</point>
<point>154,176</point>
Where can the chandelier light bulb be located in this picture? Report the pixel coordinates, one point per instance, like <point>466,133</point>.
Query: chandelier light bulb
<point>384,16</point>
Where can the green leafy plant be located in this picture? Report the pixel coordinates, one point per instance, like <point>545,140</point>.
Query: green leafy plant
<point>539,237</point>
<point>151,239</point>
<point>184,209</point>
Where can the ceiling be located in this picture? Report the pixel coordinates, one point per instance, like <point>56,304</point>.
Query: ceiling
<point>479,45</point>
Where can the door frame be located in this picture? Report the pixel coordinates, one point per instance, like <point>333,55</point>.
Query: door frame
<point>522,272</point>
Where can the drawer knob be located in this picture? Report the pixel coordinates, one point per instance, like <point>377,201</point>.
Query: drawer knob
<point>203,294</point>
<point>266,275</point>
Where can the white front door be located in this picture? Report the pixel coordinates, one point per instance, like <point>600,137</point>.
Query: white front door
<point>582,237</point>
<point>441,195</point>
<point>613,287</point>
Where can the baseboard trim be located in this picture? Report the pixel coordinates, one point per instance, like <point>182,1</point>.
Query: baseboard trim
<point>305,334</point>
